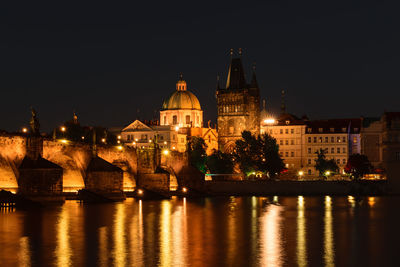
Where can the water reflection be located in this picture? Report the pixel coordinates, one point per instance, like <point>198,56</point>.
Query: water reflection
<point>63,249</point>
<point>165,233</point>
<point>329,254</point>
<point>136,244</point>
<point>270,236</point>
<point>301,233</point>
<point>103,246</point>
<point>24,255</point>
<point>119,250</point>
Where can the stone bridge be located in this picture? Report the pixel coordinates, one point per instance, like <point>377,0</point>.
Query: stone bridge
<point>74,159</point>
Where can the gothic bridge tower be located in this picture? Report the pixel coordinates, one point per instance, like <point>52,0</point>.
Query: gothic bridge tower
<point>238,105</point>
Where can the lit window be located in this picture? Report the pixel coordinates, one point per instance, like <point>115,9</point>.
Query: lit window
<point>286,154</point>
<point>332,139</point>
<point>292,154</point>
<point>338,150</point>
<point>286,131</point>
<point>281,142</point>
<point>292,131</point>
<point>315,139</point>
<point>281,131</point>
<point>332,150</point>
<point>326,139</point>
<point>309,139</point>
<point>320,139</point>
<point>338,139</point>
<point>309,130</point>
<point>344,139</point>
<point>175,119</point>
<point>286,142</point>
<point>292,142</point>
<point>355,139</point>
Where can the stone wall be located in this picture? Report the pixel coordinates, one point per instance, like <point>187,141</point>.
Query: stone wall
<point>104,181</point>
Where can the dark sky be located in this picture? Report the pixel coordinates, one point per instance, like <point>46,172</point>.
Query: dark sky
<point>106,61</point>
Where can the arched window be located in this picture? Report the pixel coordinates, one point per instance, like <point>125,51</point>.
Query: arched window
<point>187,119</point>
<point>174,119</point>
<point>165,120</point>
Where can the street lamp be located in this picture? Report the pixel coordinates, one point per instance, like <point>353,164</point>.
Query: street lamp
<point>63,128</point>
<point>24,130</point>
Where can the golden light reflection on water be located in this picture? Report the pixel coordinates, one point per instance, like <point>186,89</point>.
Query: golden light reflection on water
<point>103,247</point>
<point>119,250</point>
<point>301,233</point>
<point>24,255</point>
<point>165,233</point>
<point>136,242</point>
<point>270,237</point>
<point>329,250</point>
<point>63,249</point>
<point>179,233</point>
<point>371,201</point>
<point>231,235</point>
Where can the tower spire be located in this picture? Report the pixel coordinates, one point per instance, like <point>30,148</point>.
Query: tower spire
<point>181,84</point>
<point>254,83</point>
<point>218,87</point>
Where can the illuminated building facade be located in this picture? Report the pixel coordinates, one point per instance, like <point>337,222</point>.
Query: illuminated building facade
<point>238,106</point>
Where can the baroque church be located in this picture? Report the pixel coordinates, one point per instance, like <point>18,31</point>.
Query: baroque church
<point>238,105</point>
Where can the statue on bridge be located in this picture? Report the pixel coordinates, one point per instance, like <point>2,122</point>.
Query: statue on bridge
<point>35,125</point>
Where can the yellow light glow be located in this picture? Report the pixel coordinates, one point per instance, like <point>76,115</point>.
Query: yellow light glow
<point>173,148</point>
<point>103,140</point>
<point>327,173</point>
<point>165,142</point>
<point>176,128</point>
<point>136,139</point>
<point>119,147</point>
<point>83,138</point>
<point>63,129</point>
<point>150,141</point>
<point>269,121</point>
<point>119,137</point>
<point>301,173</point>
<point>134,143</point>
<point>24,130</point>
<point>184,190</point>
<point>140,192</point>
<point>118,142</point>
<point>64,141</point>
<point>371,201</point>
<point>165,152</point>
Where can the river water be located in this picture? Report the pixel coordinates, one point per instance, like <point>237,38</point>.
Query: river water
<point>218,231</point>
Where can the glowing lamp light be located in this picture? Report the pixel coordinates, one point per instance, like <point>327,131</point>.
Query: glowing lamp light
<point>327,173</point>
<point>173,148</point>
<point>133,143</point>
<point>150,141</point>
<point>64,141</point>
<point>140,192</point>
<point>103,140</point>
<point>118,142</point>
<point>119,147</point>
<point>184,190</point>
<point>136,139</point>
<point>301,173</point>
<point>165,142</point>
<point>165,152</point>
<point>83,138</point>
<point>119,137</point>
<point>63,129</point>
<point>24,130</point>
<point>176,128</point>
<point>269,121</point>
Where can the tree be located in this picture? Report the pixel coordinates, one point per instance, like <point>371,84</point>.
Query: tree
<point>197,153</point>
<point>258,154</point>
<point>219,162</point>
<point>324,166</point>
<point>357,166</point>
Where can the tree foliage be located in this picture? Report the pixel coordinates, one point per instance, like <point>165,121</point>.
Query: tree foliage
<point>219,162</point>
<point>258,154</point>
<point>197,153</point>
<point>325,166</point>
<point>357,166</point>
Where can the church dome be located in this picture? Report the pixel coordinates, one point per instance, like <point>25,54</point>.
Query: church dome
<point>181,98</point>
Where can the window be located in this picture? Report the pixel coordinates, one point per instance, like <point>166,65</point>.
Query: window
<point>309,150</point>
<point>281,154</point>
<point>174,119</point>
<point>286,142</point>
<point>281,131</point>
<point>326,139</point>
<point>286,154</point>
<point>332,139</point>
<point>344,139</point>
<point>338,139</point>
<point>309,139</point>
<point>187,119</point>
<point>320,130</point>
<point>344,150</point>
<point>309,161</point>
<point>292,154</point>
<point>315,139</point>
<point>338,150</point>
<point>161,137</point>
<point>292,142</point>
<point>344,161</point>
<point>309,130</point>
<point>286,131</point>
<point>338,161</point>
<point>129,137</point>
<point>281,142</point>
<point>292,131</point>
<point>355,139</point>
<point>332,130</point>
<point>309,172</point>
<point>320,140</point>
<point>332,150</point>
<point>165,120</point>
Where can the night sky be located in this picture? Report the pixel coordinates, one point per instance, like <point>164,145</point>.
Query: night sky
<point>105,61</point>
